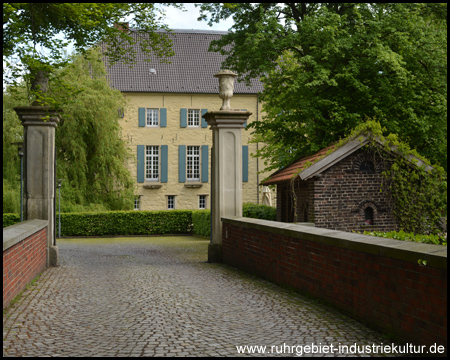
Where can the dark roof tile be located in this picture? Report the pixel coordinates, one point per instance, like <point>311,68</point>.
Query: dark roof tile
<point>191,69</point>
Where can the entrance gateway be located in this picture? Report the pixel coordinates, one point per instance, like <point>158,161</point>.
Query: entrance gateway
<point>226,162</point>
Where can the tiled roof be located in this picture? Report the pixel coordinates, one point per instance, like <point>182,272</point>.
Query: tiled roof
<point>191,69</point>
<point>292,170</point>
<point>321,161</point>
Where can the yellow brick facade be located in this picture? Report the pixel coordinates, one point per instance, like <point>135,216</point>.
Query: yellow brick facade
<point>174,135</point>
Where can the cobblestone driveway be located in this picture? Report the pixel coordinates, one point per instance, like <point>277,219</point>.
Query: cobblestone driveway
<point>159,297</point>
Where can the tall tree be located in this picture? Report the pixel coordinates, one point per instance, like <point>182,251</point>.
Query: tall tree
<point>91,155</point>
<point>28,28</point>
<point>326,67</point>
<point>12,133</point>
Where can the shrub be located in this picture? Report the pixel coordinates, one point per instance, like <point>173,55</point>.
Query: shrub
<point>10,219</point>
<point>256,211</point>
<point>401,235</point>
<point>11,196</point>
<point>201,222</point>
<point>126,223</point>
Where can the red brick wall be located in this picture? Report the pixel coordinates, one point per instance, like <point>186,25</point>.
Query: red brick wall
<point>397,296</point>
<point>343,191</point>
<point>338,197</point>
<point>22,263</point>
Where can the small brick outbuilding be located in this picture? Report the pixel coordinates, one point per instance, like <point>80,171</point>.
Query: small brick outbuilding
<point>339,191</point>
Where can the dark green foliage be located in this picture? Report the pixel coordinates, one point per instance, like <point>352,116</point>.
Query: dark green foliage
<point>10,219</point>
<point>201,222</point>
<point>328,66</point>
<point>420,197</point>
<point>256,211</point>
<point>126,223</point>
<point>30,27</point>
<point>91,156</point>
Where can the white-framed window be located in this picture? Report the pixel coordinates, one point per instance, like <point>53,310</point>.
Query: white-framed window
<point>152,163</point>
<point>193,118</point>
<point>170,202</point>
<point>202,201</point>
<point>193,163</point>
<point>152,117</point>
<point>137,203</point>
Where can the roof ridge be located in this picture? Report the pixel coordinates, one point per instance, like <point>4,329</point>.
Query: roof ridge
<point>188,31</point>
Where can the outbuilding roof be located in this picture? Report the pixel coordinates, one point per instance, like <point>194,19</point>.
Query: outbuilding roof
<point>191,69</point>
<point>289,172</point>
<point>328,157</point>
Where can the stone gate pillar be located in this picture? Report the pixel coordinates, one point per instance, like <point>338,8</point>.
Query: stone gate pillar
<point>226,163</point>
<point>39,124</point>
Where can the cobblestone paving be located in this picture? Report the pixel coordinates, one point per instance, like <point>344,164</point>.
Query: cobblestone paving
<point>159,297</point>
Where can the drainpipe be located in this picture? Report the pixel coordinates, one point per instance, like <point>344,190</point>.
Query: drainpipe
<point>257,148</point>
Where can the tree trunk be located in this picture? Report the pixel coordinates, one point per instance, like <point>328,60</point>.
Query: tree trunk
<point>39,86</point>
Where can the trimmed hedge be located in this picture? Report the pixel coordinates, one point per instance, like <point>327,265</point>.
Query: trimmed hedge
<point>126,223</point>
<point>256,211</point>
<point>10,219</point>
<point>144,222</point>
<point>201,222</point>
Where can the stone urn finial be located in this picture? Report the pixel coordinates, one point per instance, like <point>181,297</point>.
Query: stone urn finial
<point>226,87</point>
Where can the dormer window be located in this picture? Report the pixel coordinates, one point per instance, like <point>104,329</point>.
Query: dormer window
<point>367,167</point>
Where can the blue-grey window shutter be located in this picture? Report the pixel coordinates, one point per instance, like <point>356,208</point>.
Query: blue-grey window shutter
<point>182,163</point>
<point>183,118</point>
<point>205,162</point>
<point>163,117</point>
<point>204,123</point>
<point>142,117</point>
<point>140,163</point>
<point>164,163</point>
<point>245,163</point>
<point>245,124</point>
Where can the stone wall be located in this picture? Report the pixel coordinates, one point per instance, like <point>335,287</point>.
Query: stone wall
<point>376,280</point>
<point>24,256</point>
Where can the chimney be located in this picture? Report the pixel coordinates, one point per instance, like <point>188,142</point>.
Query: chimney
<point>122,26</point>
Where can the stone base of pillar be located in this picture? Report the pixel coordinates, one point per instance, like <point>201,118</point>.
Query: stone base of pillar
<point>215,253</point>
<point>54,256</point>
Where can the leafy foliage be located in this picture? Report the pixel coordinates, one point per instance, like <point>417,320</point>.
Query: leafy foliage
<point>126,223</point>
<point>420,196</point>
<point>28,26</point>
<point>201,222</point>
<point>256,211</point>
<point>91,155</point>
<point>440,239</point>
<point>418,190</point>
<point>12,133</point>
<point>10,219</point>
<point>326,67</point>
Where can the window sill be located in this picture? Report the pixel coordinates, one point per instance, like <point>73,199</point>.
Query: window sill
<point>369,227</point>
<point>155,185</point>
<point>193,185</point>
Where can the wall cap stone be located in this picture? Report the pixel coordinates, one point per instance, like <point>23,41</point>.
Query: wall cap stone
<point>435,255</point>
<point>14,234</point>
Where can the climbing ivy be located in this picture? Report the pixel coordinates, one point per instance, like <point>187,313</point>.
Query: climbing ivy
<point>418,190</point>
<point>420,196</point>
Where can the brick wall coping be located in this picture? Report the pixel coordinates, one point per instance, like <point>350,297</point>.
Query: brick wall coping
<point>435,255</point>
<point>16,233</point>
